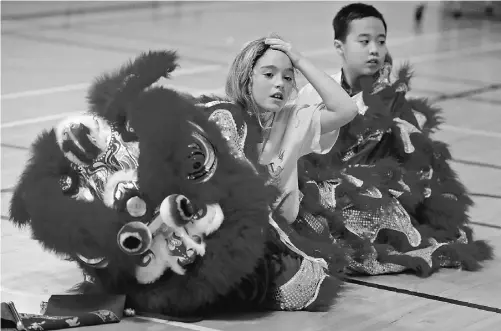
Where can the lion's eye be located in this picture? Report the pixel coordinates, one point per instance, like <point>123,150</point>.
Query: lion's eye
<point>202,160</point>
<point>197,157</point>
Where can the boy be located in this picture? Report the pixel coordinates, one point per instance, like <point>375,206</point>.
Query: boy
<point>360,40</point>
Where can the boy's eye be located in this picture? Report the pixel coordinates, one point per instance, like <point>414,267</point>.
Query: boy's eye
<point>289,79</point>
<point>364,42</point>
<point>382,42</point>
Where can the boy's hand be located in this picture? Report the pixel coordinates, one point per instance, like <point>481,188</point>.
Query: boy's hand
<point>285,47</point>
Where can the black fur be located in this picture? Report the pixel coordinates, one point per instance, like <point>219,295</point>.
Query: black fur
<point>243,257</point>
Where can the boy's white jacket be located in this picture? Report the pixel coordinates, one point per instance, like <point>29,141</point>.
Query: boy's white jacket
<point>309,96</point>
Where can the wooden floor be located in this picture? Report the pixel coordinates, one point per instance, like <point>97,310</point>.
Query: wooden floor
<point>47,64</point>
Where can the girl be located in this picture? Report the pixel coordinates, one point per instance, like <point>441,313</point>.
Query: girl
<point>261,81</point>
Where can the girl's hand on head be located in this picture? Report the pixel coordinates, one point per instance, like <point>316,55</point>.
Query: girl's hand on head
<point>285,47</point>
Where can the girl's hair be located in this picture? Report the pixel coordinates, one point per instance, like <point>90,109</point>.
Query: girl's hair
<point>239,79</point>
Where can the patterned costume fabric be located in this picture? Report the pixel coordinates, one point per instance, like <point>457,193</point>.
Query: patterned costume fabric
<point>303,287</point>
<point>396,201</point>
<point>153,195</point>
<point>13,320</point>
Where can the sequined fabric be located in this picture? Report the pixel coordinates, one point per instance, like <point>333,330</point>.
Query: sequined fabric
<point>420,118</point>
<point>390,133</point>
<point>302,289</point>
<point>367,224</point>
<point>235,136</point>
<point>372,266</point>
<point>406,129</point>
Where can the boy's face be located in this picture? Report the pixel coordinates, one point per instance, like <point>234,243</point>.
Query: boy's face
<point>364,49</point>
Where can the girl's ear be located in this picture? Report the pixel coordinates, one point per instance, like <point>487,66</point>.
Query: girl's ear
<point>339,46</point>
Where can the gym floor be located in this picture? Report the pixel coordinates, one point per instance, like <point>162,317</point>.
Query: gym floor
<point>48,62</point>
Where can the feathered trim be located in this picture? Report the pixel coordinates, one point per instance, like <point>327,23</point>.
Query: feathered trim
<point>371,149</point>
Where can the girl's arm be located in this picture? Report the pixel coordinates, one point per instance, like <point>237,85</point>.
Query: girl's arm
<point>341,108</point>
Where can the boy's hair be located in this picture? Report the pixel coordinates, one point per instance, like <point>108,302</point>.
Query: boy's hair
<point>351,12</point>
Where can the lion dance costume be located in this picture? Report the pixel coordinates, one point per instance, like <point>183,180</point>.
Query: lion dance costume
<point>157,195</point>
<point>386,189</point>
<point>152,195</point>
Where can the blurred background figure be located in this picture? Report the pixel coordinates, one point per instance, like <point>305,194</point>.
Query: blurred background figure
<point>456,9</point>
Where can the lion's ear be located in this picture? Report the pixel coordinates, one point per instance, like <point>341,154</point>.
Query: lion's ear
<point>130,80</point>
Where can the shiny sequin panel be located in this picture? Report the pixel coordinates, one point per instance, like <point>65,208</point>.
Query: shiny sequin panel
<point>372,266</point>
<point>367,224</point>
<point>235,137</point>
<point>302,289</point>
<point>118,156</point>
<point>406,129</point>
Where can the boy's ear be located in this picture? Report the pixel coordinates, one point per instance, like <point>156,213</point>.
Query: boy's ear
<point>339,46</point>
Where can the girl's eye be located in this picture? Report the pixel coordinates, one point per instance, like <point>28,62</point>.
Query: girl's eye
<point>268,74</point>
<point>289,79</point>
<point>382,42</point>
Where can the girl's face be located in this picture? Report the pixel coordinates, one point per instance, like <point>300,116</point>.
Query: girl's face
<point>272,81</point>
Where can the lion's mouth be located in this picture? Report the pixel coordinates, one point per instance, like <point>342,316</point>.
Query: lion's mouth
<point>173,240</point>
<point>177,248</point>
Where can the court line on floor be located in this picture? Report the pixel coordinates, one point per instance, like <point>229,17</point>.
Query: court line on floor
<point>101,46</point>
<point>128,6</point>
<point>413,60</point>
<point>52,117</point>
<point>45,297</point>
<point>424,295</point>
<point>467,93</point>
<point>487,225</point>
<point>213,68</point>
<point>485,195</point>
<point>436,94</point>
<point>178,324</point>
<point>14,146</point>
<point>448,79</point>
<point>488,101</point>
<point>472,132</point>
<point>477,164</point>
<point>76,87</point>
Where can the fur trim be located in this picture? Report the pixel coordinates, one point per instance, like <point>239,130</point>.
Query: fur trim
<point>128,81</point>
<point>234,251</point>
<point>60,223</point>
